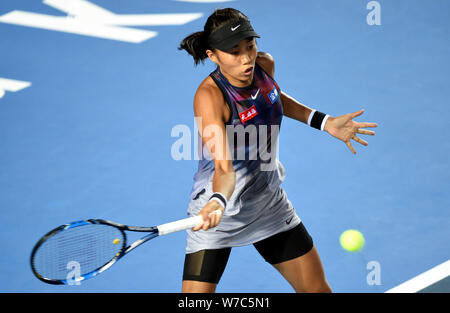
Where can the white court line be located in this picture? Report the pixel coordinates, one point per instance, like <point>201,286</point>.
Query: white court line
<point>423,280</point>
<point>11,85</point>
<point>88,19</point>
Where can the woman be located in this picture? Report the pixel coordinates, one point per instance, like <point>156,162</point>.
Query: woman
<point>242,95</point>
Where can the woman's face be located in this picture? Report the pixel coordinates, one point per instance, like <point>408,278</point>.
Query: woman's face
<point>238,63</point>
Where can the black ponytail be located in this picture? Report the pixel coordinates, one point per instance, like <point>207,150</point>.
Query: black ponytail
<point>196,44</point>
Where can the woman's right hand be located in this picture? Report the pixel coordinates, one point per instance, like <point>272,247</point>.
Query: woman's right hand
<point>210,218</point>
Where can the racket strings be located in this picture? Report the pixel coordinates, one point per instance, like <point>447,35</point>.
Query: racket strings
<point>77,251</point>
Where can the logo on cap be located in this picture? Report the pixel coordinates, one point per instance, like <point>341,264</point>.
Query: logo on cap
<point>234,28</point>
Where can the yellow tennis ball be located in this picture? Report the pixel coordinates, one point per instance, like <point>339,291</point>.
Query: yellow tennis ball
<point>352,240</point>
<point>116,241</point>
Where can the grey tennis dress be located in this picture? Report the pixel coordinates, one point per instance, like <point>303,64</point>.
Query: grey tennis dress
<point>258,207</point>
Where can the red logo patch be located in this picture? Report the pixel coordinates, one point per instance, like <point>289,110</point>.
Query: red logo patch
<point>248,114</point>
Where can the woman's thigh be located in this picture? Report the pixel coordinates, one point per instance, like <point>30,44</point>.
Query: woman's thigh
<point>305,273</point>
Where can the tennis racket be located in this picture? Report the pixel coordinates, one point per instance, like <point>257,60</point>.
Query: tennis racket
<point>90,247</point>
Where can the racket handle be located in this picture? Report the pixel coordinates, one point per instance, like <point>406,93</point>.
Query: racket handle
<point>183,224</point>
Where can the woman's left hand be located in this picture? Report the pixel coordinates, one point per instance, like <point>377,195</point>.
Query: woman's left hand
<point>344,128</point>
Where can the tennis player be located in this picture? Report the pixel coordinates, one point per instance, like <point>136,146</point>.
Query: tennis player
<point>242,94</point>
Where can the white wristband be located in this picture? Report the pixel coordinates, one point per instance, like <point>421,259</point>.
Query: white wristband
<point>220,198</point>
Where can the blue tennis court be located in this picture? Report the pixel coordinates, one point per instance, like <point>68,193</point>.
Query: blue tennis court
<point>90,92</point>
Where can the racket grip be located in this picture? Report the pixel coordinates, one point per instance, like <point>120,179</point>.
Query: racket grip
<point>183,224</point>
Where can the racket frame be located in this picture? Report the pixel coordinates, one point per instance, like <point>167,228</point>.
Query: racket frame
<point>152,233</point>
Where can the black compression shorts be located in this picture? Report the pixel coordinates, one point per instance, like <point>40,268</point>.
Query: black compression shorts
<point>209,265</point>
